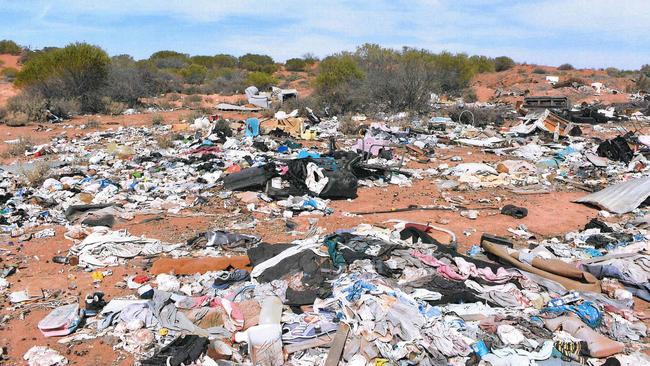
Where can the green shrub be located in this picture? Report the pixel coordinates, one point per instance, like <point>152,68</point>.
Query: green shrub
<point>503,63</point>
<point>613,72</point>
<point>295,64</point>
<point>169,59</point>
<point>18,148</point>
<point>261,80</point>
<point>157,120</point>
<point>310,58</point>
<point>481,64</point>
<point>223,60</point>
<point>10,47</point>
<point>255,62</point>
<point>565,67</point>
<point>194,74</point>
<point>78,70</point>
<point>9,74</point>
<point>469,96</point>
<point>92,124</point>
<point>64,108</point>
<point>539,70</point>
<point>112,107</point>
<point>30,104</point>
<point>194,98</point>
<point>335,71</point>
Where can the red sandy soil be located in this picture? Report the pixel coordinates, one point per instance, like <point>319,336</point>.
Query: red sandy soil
<point>7,90</point>
<point>521,79</point>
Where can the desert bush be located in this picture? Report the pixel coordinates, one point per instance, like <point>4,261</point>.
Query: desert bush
<point>539,70</point>
<point>225,61</point>
<point>565,67</point>
<point>18,148</point>
<point>613,72</point>
<point>261,80</point>
<point>255,62</point>
<point>31,104</point>
<point>92,124</point>
<point>16,119</point>
<point>9,74</point>
<point>164,141</point>
<point>226,81</point>
<point>78,70</point>
<point>336,71</point>
<point>173,96</point>
<point>194,74</point>
<point>169,59</point>
<point>481,64</point>
<point>3,115</point>
<point>157,120</point>
<point>205,61</point>
<point>39,171</point>
<point>503,63</point>
<point>347,126</point>
<point>295,64</point>
<point>310,58</point>
<point>194,98</point>
<point>469,96</point>
<point>10,47</point>
<point>112,107</point>
<point>642,83</point>
<point>64,108</point>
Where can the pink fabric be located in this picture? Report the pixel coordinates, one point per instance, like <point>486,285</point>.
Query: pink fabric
<point>468,268</point>
<point>235,319</point>
<point>442,268</point>
<point>465,269</point>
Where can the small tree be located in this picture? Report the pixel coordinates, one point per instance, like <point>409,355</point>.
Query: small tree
<point>337,70</point>
<point>10,47</point>
<point>565,67</point>
<point>78,70</point>
<point>503,63</point>
<point>223,60</point>
<point>261,80</point>
<point>256,62</point>
<point>295,64</point>
<point>194,74</point>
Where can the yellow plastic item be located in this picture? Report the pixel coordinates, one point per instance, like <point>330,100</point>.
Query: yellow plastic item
<point>97,276</point>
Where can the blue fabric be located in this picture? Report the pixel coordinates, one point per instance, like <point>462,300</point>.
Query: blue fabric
<point>587,312</point>
<point>357,289</point>
<point>252,127</point>
<point>593,252</point>
<point>308,154</point>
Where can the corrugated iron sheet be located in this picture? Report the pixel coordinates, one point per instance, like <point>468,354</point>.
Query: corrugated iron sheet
<point>621,198</point>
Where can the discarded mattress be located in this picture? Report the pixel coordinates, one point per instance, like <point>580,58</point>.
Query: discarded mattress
<point>620,198</point>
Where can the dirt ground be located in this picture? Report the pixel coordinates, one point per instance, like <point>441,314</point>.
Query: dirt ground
<point>550,215</point>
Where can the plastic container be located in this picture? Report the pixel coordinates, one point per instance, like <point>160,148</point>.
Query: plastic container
<point>271,310</point>
<point>265,340</point>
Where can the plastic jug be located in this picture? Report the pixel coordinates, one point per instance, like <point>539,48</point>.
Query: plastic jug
<point>265,340</point>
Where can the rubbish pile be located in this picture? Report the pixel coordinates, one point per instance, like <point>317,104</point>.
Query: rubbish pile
<point>398,293</point>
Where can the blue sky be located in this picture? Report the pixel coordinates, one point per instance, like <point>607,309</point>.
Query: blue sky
<point>594,33</point>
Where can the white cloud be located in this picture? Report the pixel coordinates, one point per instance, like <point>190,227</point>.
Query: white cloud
<point>586,33</point>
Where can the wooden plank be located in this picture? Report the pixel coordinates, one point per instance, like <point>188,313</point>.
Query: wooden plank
<point>336,350</point>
